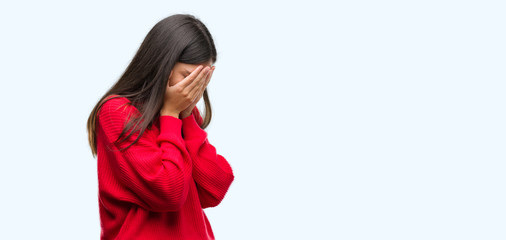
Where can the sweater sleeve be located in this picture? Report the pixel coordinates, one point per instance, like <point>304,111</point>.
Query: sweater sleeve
<point>211,171</point>
<point>157,168</point>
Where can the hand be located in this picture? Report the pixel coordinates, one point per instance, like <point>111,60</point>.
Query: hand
<point>188,111</point>
<point>179,96</point>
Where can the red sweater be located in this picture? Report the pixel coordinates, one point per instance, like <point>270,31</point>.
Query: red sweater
<point>158,187</point>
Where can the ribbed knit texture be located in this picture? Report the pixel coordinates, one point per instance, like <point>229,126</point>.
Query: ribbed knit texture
<point>158,187</point>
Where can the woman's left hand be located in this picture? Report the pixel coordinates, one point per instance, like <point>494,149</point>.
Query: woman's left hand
<point>188,111</point>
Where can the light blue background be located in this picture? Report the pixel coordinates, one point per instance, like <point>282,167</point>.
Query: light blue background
<point>341,119</point>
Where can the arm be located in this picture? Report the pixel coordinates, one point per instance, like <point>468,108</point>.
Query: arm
<point>156,169</point>
<point>211,171</point>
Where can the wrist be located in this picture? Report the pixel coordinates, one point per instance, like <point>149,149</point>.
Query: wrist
<point>192,130</point>
<point>169,113</point>
<point>185,114</point>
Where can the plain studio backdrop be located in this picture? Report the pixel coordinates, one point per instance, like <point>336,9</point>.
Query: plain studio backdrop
<point>341,119</point>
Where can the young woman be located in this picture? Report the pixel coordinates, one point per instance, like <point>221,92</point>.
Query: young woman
<point>157,170</point>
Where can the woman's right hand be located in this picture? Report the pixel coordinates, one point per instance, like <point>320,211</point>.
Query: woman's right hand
<point>179,96</point>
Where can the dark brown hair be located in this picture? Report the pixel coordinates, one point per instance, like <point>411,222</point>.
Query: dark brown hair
<point>177,38</point>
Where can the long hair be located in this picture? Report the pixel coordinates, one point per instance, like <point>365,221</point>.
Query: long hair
<point>177,38</point>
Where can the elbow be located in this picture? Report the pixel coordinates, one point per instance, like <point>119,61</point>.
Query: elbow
<point>213,200</point>
<point>210,203</point>
<point>226,186</point>
<point>171,201</point>
<point>174,205</point>
<point>168,208</point>
<point>229,181</point>
<point>168,204</point>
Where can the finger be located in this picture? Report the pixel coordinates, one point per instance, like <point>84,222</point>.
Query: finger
<point>209,76</point>
<point>195,83</point>
<point>204,85</point>
<point>189,79</point>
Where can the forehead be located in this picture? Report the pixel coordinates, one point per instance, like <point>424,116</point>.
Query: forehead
<point>186,67</point>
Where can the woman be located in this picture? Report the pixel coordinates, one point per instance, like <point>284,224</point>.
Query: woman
<point>157,170</point>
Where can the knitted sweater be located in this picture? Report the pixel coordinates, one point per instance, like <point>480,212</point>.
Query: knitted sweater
<point>158,187</point>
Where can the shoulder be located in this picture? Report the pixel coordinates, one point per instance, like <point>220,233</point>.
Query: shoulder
<point>114,107</point>
<point>113,100</point>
